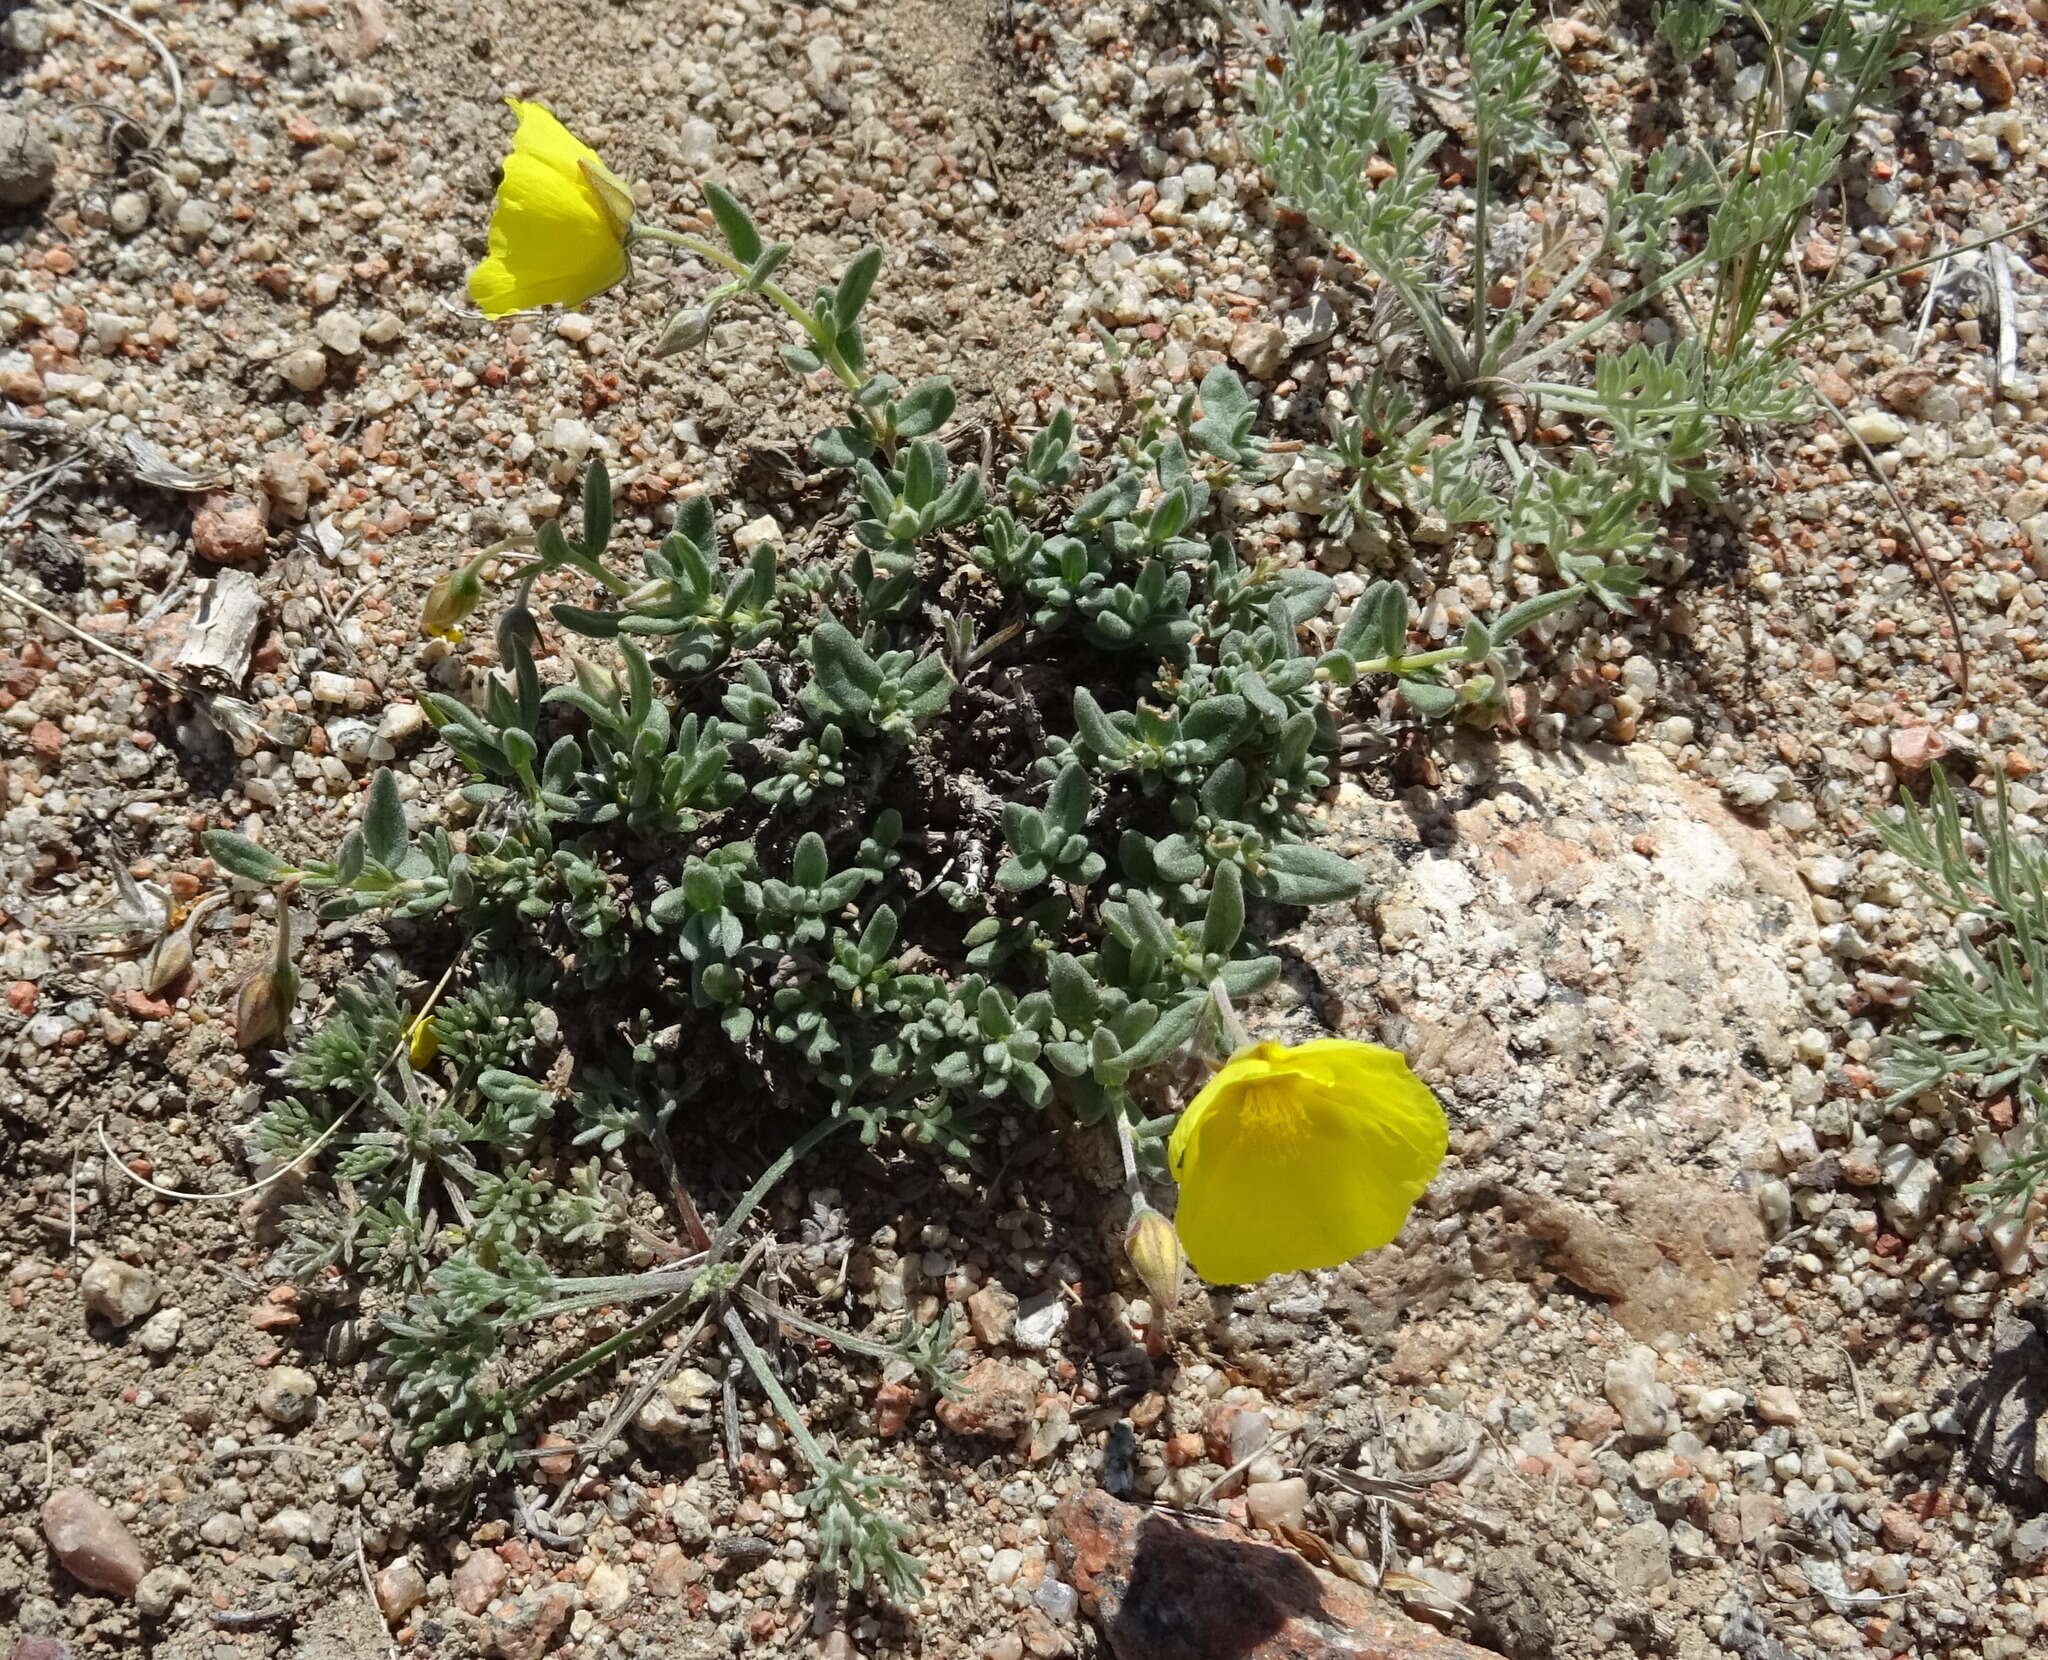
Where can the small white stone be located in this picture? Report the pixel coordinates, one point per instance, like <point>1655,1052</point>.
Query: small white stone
<point>1004,1566</point>
<point>118,1292</point>
<point>287,1395</point>
<point>339,333</point>
<point>159,1590</point>
<point>756,533</point>
<point>574,327</point>
<point>1877,426</point>
<point>351,740</point>
<point>305,368</point>
<point>161,1331</point>
<point>1711,1406</point>
<point>194,219</point>
<point>329,687</point>
<point>1040,1321</point>
<point>1272,1504</point>
<point>608,1589</point>
<point>400,722</point>
<point>571,438</point>
<point>1634,1391</point>
<point>400,1589</point>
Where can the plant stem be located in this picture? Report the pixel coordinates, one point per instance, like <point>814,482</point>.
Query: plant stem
<point>851,1342</point>
<point>722,1241</point>
<point>1482,167</point>
<point>598,1353</point>
<point>778,1397</point>
<point>1226,1015</point>
<point>1804,324</point>
<point>824,344</point>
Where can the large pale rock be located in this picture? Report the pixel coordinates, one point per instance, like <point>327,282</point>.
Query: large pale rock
<point>1583,953</point>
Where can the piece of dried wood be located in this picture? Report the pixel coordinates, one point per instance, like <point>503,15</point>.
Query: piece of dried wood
<point>218,644</point>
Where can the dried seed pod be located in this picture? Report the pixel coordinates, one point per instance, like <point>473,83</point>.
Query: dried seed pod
<point>263,1004</point>
<point>171,957</point>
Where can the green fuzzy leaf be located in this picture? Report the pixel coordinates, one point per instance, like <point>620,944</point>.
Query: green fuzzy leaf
<point>597,509</point>
<point>1302,874</point>
<point>592,625</point>
<point>1519,618</point>
<point>1167,1033</point>
<point>384,830</point>
<point>1428,698</point>
<point>762,271</point>
<point>1177,859</point>
<point>1223,921</point>
<point>1023,829</point>
<point>1250,974</point>
<point>1066,808</point>
<point>810,866</point>
<point>847,675</point>
<point>841,447</point>
<point>1095,728</point>
<point>735,224</point>
<point>1069,1059</point>
<point>925,408</point>
<point>1075,998</point>
<point>239,856</point>
<point>1020,875</point>
<point>855,286</point>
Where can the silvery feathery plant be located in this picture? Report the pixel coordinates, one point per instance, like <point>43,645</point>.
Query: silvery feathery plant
<point>970,810</point>
<point>1979,1024</point>
<point>1694,235</point>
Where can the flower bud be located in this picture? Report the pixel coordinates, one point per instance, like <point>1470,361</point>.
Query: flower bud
<point>261,1008</point>
<point>685,330</point>
<point>453,596</point>
<point>1154,1249</point>
<point>263,1004</point>
<point>517,628</point>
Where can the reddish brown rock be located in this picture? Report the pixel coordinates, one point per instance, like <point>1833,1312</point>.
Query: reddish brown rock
<point>526,1628</point>
<point>477,1581</point>
<point>1676,1260</point>
<point>90,1542</point>
<point>230,530</point>
<point>894,1402</point>
<point>1161,1589</point>
<point>1984,61</point>
<point>1916,748</point>
<point>998,1400</point>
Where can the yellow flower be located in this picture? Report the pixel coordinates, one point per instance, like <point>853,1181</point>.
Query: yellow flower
<point>1302,1157</point>
<point>558,234</point>
<point>422,1041</point>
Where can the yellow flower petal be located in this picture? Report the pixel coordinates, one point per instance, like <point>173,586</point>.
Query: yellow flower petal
<point>423,1040</point>
<point>555,237</point>
<point>1303,1157</point>
<point>545,139</point>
